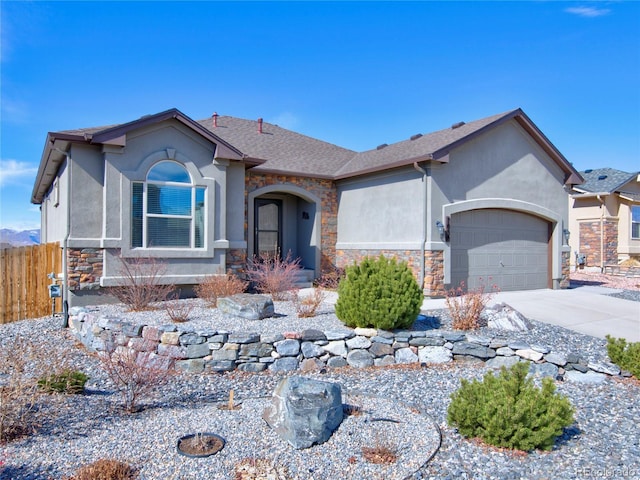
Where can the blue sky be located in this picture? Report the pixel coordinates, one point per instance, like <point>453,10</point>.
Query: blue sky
<point>354,74</point>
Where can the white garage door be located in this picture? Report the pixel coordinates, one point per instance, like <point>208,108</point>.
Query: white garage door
<point>503,247</point>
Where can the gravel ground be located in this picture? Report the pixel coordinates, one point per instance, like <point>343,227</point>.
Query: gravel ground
<point>604,442</point>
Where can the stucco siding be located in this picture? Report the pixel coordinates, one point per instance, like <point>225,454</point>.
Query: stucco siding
<point>54,214</point>
<point>505,163</point>
<point>382,211</point>
<point>86,205</point>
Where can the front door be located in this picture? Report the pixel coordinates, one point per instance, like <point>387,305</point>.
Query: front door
<point>268,227</point>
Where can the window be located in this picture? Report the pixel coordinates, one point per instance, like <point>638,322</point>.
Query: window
<point>635,222</point>
<point>167,210</point>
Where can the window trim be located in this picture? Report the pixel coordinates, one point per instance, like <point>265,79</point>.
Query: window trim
<point>194,188</point>
<point>634,222</point>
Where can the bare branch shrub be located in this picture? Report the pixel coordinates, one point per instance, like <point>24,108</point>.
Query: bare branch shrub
<point>134,374</point>
<point>140,282</point>
<point>216,286</point>
<point>465,306</point>
<point>307,304</point>
<point>177,310</point>
<point>106,469</point>
<point>20,396</point>
<point>274,275</point>
<point>330,279</point>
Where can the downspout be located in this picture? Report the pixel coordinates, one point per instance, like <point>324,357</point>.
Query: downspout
<point>65,245</point>
<point>426,180</point>
<point>601,232</point>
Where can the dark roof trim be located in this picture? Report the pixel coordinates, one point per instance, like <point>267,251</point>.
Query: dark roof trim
<point>386,166</point>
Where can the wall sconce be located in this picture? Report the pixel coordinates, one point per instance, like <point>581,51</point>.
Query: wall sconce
<point>442,230</point>
<point>566,234</point>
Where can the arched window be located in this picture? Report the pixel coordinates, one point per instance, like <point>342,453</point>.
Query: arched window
<point>168,210</point>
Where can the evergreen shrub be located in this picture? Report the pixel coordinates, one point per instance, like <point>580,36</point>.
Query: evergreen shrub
<point>510,411</point>
<point>625,355</point>
<point>380,293</point>
<point>67,381</point>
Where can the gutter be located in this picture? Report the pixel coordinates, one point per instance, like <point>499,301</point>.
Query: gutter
<point>426,180</point>
<point>65,245</point>
<point>598,196</point>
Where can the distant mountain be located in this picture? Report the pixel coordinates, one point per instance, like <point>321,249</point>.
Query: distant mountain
<point>13,238</point>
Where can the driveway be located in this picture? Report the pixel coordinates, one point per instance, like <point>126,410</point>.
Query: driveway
<point>584,309</point>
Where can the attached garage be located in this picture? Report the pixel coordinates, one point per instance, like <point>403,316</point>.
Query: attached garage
<point>506,248</point>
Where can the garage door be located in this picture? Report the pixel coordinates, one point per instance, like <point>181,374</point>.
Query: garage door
<point>503,247</point>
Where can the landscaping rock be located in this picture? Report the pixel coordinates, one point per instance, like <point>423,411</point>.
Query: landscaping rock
<point>311,350</point>
<point>432,354</point>
<point>556,359</point>
<point>311,335</point>
<point>358,342</point>
<point>544,370</point>
<point>499,362</point>
<point>405,355</point>
<point>246,305</point>
<point>529,354</point>
<point>385,361</point>
<point>305,412</point>
<point>360,359</point>
<point>503,317</point>
<point>288,347</point>
<point>473,350</point>
<point>336,347</point>
<point>601,367</point>
<point>284,364</point>
<point>587,377</point>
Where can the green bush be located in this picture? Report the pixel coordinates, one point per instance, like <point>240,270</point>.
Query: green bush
<point>510,411</point>
<point>67,381</point>
<point>625,355</point>
<point>379,293</point>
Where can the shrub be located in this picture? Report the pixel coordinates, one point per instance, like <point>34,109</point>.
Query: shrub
<point>177,309</point>
<point>134,374</point>
<point>67,381</point>
<point>510,411</point>
<point>20,413</point>
<point>216,286</point>
<point>379,293</point>
<point>140,283</point>
<point>465,306</point>
<point>106,469</point>
<point>307,305</point>
<point>274,275</point>
<point>625,355</point>
<point>330,279</point>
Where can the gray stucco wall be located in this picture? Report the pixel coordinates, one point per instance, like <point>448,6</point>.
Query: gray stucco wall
<point>383,211</point>
<point>53,211</point>
<point>87,180</point>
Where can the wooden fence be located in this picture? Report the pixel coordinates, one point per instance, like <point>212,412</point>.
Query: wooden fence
<point>24,291</point>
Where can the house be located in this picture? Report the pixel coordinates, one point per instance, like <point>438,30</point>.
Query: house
<point>476,200</point>
<point>604,215</point>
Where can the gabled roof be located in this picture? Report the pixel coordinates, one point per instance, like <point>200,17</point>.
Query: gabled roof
<point>270,148</point>
<point>284,151</point>
<point>605,180</point>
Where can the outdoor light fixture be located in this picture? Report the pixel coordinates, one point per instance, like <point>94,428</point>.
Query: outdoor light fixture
<point>567,234</point>
<point>442,230</point>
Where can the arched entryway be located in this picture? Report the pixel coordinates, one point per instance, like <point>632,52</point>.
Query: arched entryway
<point>285,218</point>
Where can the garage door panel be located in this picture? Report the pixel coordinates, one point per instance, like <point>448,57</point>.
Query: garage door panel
<point>504,247</point>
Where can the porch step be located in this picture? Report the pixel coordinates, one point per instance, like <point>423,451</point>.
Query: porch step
<point>304,278</point>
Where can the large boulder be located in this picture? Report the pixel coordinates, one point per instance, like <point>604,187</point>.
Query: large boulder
<point>504,317</point>
<point>246,305</point>
<point>305,412</point>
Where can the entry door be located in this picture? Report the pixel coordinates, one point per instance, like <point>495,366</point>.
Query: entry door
<point>268,227</point>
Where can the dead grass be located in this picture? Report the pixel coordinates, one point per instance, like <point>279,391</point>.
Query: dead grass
<point>381,453</point>
<point>260,469</point>
<point>106,469</point>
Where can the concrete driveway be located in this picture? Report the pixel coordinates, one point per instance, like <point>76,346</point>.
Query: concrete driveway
<point>585,309</point>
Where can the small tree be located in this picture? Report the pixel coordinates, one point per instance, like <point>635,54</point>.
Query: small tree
<point>379,293</point>
<point>510,411</point>
<point>625,355</point>
<point>140,282</point>
<point>274,275</point>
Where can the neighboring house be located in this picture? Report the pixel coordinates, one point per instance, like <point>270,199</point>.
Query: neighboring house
<point>604,217</point>
<point>483,199</point>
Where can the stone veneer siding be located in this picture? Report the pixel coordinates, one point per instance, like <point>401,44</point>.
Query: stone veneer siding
<point>433,262</point>
<point>325,190</point>
<point>84,268</point>
<point>566,270</point>
<point>212,351</point>
<point>590,242</point>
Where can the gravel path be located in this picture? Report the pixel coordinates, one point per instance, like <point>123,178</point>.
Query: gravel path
<point>604,442</point>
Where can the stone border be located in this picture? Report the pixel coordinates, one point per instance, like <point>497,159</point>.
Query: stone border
<point>309,350</point>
